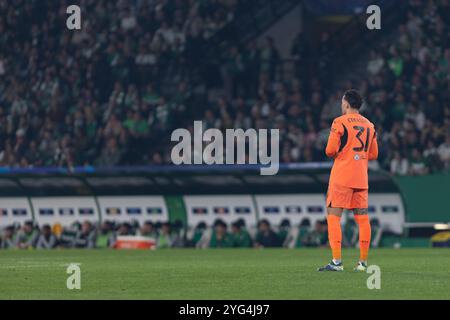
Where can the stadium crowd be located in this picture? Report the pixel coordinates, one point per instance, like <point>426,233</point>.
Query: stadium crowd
<point>85,235</point>
<point>172,235</point>
<point>99,96</point>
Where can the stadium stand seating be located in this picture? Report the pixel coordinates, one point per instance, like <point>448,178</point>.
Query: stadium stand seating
<point>112,93</point>
<point>97,97</point>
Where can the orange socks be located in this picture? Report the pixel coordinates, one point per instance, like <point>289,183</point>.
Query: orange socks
<point>334,235</point>
<point>364,235</point>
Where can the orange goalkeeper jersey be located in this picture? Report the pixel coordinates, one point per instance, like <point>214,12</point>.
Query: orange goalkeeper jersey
<point>352,143</point>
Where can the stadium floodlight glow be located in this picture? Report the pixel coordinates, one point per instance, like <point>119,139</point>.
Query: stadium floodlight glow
<point>442,226</point>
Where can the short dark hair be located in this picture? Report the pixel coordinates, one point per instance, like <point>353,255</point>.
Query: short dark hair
<point>353,98</point>
<point>305,222</point>
<point>236,225</point>
<point>220,222</point>
<point>201,225</point>
<point>166,224</point>
<point>149,223</point>
<point>264,221</point>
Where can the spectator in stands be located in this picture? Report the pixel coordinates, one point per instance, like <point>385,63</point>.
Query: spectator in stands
<point>304,229</point>
<point>111,154</point>
<point>7,239</point>
<point>266,237</point>
<point>432,158</point>
<point>220,238</point>
<point>318,237</point>
<point>377,232</point>
<point>444,152</point>
<point>179,233</point>
<point>375,63</point>
<point>57,229</point>
<point>27,236</point>
<point>46,239</point>
<point>240,237</point>
<point>166,239</point>
<point>68,235</point>
<point>86,237</point>
<point>199,231</point>
<point>299,52</point>
<point>417,166</point>
<point>350,233</point>
<point>136,53</point>
<point>399,165</point>
<point>148,230</point>
<point>124,229</point>
<point>105,235</point>
<point>134,227</point>
<point>283,231</point>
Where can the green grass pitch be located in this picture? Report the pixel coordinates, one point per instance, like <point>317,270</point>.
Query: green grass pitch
<point>222,274</point>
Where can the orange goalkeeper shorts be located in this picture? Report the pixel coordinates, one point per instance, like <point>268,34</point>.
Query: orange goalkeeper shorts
<point>348,198</point>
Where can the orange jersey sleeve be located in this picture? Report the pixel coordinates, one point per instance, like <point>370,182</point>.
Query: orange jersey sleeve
<point>373,150</point>
<point>334,140</point>
<point>352,143</point>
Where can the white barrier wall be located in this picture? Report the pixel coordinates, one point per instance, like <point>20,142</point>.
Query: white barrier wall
<point>14,210</point>
<point>229,208</point>
<point>64,210</point>
<point>276,208</point>
<point>387,208</point>
<point>128,208</point>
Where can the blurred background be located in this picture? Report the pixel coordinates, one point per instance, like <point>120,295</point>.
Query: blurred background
<point>86,117</point>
